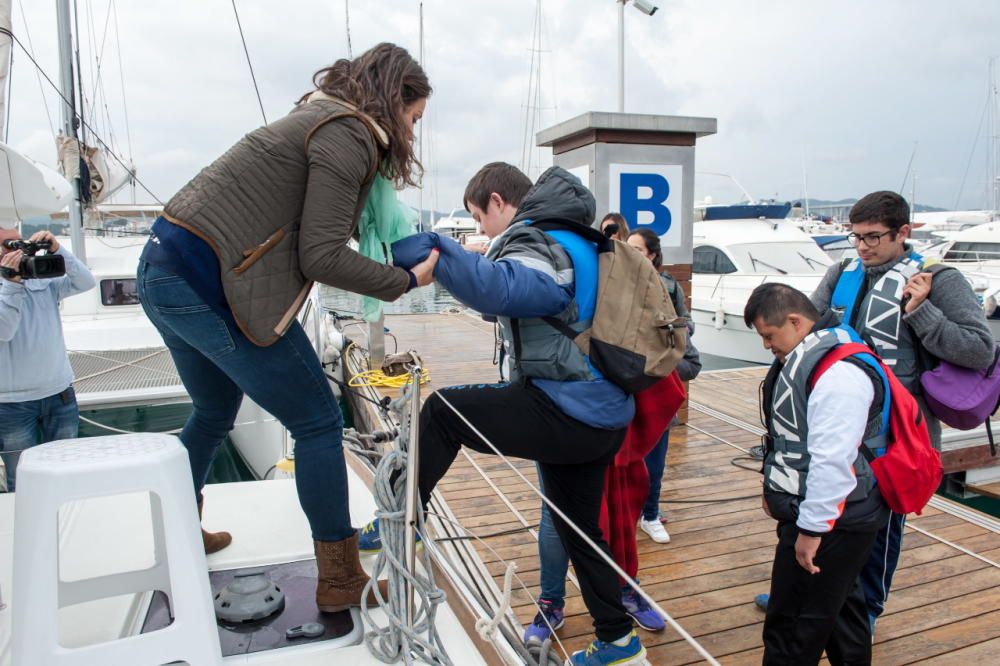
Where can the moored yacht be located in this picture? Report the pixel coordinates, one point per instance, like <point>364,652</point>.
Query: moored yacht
<point>734,253</point>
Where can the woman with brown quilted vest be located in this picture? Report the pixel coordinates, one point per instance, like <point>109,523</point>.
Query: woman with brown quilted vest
<point>232,259</point>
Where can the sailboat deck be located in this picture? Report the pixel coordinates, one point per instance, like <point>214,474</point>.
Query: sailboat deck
<point>945,604</point>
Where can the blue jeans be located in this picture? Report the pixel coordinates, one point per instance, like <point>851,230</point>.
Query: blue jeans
<point>655,462</point>
<point>26,424</point>
<point>218,364</point>
<point>552,557</point>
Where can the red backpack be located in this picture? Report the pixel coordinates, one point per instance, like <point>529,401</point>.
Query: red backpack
<point>910,471</point>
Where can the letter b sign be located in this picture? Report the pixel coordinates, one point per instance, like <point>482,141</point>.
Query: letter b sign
<point>648,195</point>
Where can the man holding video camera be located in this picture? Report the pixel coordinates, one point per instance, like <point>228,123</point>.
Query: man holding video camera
<point>37,403</point>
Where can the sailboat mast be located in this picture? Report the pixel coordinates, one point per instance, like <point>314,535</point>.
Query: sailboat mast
<point>5,50</point>
<point>70,123</point>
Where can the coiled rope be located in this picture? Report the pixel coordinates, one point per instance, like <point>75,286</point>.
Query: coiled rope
<point>398,640</point>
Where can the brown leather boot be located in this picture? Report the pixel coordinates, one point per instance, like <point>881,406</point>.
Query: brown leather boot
<point>340,577</point>
<point>213,541</point>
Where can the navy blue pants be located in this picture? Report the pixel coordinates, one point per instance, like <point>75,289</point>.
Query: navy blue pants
<point>218,364</point>
<point>876,577</point>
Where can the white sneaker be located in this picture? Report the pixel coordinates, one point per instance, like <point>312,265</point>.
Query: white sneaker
<point>655,529</point>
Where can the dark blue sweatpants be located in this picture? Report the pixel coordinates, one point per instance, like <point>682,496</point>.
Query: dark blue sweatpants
<point>876,577</point>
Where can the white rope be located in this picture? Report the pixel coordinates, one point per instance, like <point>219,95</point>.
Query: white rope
<point>487,629</point>
<point>538,652</point>
<point>124,432</point>
<point>517,514</point>
<point>397,640</point>
<point>118,365</point>
<point>954,545</point>
<point>621,572</point>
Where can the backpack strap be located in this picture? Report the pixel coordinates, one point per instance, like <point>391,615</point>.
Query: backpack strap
<point>926,361</point>
<point>865,354</point>
<point>845,292</point>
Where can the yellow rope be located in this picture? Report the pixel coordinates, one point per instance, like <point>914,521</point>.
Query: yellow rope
<point>379,378</point>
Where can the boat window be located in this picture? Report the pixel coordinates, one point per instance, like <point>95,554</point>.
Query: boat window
<point>119,291</point>
<point>711,260</point>
<point>781,257</point>
<point>968,251</point>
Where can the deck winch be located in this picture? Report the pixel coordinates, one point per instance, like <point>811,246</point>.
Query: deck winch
<point>251,596</point>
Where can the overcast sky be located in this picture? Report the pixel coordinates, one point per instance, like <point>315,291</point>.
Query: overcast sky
<point>832,96</point>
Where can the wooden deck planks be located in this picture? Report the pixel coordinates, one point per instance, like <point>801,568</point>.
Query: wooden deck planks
<point>944,602</point>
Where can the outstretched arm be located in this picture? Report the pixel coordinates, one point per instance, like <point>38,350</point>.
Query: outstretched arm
<point>507,288</point>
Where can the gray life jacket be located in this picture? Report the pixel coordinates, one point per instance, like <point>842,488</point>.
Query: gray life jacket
<point>878,318</point>
<point>786,463</point>
<point>544,352</point>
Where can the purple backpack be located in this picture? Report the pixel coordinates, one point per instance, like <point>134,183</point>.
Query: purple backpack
<point>961,397</point>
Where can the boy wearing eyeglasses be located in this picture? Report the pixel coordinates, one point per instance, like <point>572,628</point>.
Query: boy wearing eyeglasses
<point>910,316</point>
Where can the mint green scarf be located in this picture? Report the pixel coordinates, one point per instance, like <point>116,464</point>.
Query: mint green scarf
<point>384,221</point>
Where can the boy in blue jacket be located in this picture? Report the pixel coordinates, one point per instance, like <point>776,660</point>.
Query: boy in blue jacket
<point>554,407</point>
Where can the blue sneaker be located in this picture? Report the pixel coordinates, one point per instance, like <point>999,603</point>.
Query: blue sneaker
<point>637,608</point>
<point>370,539</point>
<point>760,601</point>
<point>548,620</point>
<point>607,654</point>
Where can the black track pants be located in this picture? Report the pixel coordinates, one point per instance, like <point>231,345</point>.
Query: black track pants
<point>807,613</point>
<point>522,422</point>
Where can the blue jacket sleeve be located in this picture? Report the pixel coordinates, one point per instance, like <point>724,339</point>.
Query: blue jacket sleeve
<point>504,288</point>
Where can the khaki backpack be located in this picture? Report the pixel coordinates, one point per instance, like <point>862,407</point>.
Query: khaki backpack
<point>635,338</point>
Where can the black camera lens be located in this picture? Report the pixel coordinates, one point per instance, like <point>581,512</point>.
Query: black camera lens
<point>42,267</point>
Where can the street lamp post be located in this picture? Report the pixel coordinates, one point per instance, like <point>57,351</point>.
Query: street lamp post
<point>647,8</point>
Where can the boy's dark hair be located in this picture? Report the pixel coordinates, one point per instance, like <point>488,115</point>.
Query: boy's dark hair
<point>886,207</point>
<point>505,179</point>
<point>774,301</point>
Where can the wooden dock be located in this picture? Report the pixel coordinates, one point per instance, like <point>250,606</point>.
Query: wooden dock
<point>945,602</point>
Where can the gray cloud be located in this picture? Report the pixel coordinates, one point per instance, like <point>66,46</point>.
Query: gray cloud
<point>843,89</point>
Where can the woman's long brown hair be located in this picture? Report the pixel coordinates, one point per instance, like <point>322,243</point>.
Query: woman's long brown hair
<point>381,82</point>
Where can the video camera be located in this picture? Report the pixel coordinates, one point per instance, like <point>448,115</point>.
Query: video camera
<point>34,266</point>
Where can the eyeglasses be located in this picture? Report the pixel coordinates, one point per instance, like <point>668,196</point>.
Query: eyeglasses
<point>871,240</point>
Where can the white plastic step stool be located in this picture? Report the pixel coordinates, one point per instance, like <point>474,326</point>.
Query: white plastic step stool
<point>53,474</point>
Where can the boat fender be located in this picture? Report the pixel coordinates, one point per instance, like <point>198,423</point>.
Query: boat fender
<point>333,337</point>
<point>720,317</point>
<point>284,469</point>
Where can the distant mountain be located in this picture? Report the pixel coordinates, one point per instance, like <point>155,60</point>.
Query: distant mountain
<point>920,208</point>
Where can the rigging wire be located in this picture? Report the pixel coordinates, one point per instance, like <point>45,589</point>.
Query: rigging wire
<point>99,92</point>
<point>121,76</point>
<point>347,23</point>
<point>249,64</point>
<point>77,115</point>
<point>41,88</point>
<point>972,151</point>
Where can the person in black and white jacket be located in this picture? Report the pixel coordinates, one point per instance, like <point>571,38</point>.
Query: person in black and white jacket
<point>817,485</point>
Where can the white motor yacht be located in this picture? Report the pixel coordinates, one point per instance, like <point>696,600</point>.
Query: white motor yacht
<point>732,256</point>
<point>976,252</point>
